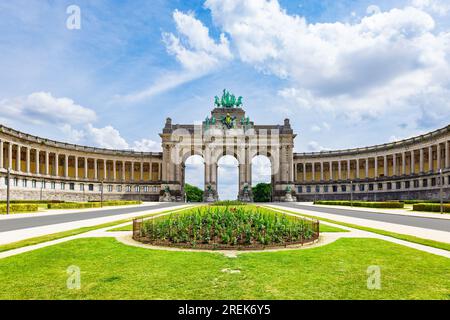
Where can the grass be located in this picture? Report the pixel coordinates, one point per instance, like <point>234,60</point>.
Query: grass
<point>111,270</point>
<point>366,204</point>
<point>425,242</point>
<point>68,233</point>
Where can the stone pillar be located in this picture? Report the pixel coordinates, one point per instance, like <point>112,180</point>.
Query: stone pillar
<point>430,158</point>
<point>447,154</point>
<point>339,170</point>
<point>132,170</point>
<point>1,154</point>
<point>376,167</point>
<point>18,158</point>
<point>438,157</point>
<point>66,166</point>
<point>367,168</point>
<point>313,169</point>
<point>348,170</point>
<point>37,162</point>
<point>304,172</point>
<point>28,160</point>
<point>403,163</point>
<point>330,166</point>
<point>321,171</point>
<point>385,164</point>
<point>86,168</point>
<point>123,170</point>
<point>421,166</point>
<point>105,171</point>
<point>10,156</point>
<point>95,170</point>
<point>412,163</point>
<point>394,164</point>
<point>357,168</point>
<point>114,170</point>
<point>160,171</point>
<point>142,171</point>
<point>76,167</point>
<point>47,163</point>
<point>56,164</point>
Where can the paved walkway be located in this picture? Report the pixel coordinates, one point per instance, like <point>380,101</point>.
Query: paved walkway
<point>25,228</point>
<point>427,228</point>
<point>326,238</point>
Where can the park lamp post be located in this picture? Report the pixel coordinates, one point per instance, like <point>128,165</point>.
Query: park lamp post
<point>351,193</point>
<point>101,194</point>
<point>441,191</point>
<point>8,179</point>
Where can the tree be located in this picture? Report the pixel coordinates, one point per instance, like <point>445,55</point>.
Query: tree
<point>193,194</point>
<point>262,192</point>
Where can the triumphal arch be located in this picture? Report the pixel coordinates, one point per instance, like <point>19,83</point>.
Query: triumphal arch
<point>227,131</point>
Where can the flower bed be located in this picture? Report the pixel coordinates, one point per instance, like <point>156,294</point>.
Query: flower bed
<point>236,228</point>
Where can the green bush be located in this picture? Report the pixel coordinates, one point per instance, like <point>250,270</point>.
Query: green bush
<point>227,226</point>
<point>193,193</point>
<point>85,205</point>
<point>262,192</point>
<point>422,201</point>
<point>367,204</point>
<point>16,208</point>
<point>32,201</point>
<point>431,207</point>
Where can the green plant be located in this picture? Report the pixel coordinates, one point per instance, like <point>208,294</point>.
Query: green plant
<point>432,207</point>
<point>228,203</point>
<point>193,194</point>
<point>228,226</point>
<point>84,205</point>
<point>262,192</point>
<point>19,207</point>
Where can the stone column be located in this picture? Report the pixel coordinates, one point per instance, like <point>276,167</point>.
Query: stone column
<point>56,164</point>
<point>47,163</point>
<point>1,154</point>
<point>28,160</point>
<point>348,170</point>
<point>339,170</point>
<point>114,170</point>
<point>66,166</point>
<point>376,167</point>
<point>447,154</point>
<point>142,171</point>
<point>413,163</point>
<point>37,162</point>
<point>18,158</point>
<point>385,166</point>
<point>438,157</point>
<point>123,170</point>
<point>430,158</point>
<point>76,167</point>
<point>421,160</point>
<point>304,171</point>
<point>394,164</point>
<point>403,163</point>
<point>10,156</point>
<point>330,166</point>
<point>104,170</point>
<point>132,170</point>
<point>95,169</point>
<point>357,168</point>
<point>313,169</point>
<point>367,168</point>
<point>321,171</point>
<point>86,168</point>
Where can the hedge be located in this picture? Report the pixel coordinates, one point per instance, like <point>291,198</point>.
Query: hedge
<point>422,201</point>
<point>17,208</point>
<point>386,204</point>
<point>85,205</point>
<point>431,207</point>
<point>31,201</point>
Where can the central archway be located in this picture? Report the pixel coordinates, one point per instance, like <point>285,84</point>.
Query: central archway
<point>228,178</point>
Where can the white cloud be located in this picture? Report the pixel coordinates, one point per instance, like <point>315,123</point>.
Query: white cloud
<point>147,145</point>
<point>194,48</point>
<point>315,146</point>
<point>43,107</point>
<point>106,137</point>
<point>362,69</point>
<point>435,6</point>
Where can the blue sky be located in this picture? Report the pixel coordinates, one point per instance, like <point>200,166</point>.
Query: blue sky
<point>347,73</point>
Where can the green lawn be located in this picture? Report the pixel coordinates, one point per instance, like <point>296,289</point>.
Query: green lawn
<point>111,270</point>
